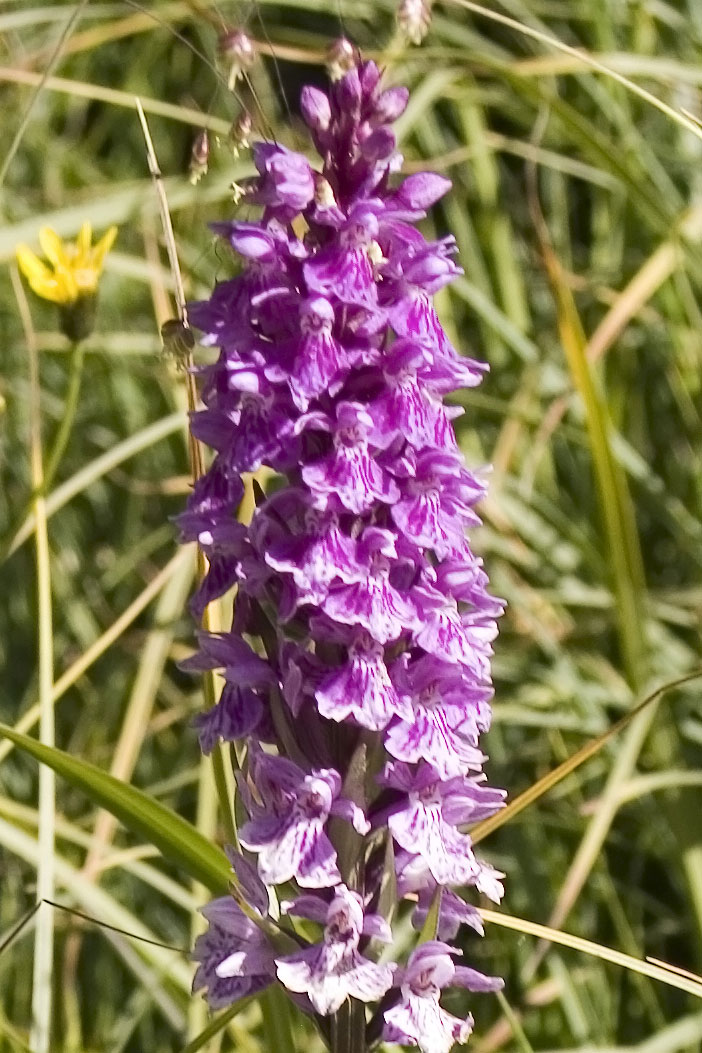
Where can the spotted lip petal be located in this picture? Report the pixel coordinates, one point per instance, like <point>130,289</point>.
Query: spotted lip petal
<point>333,970</point>
<point>362,689</point>
<point>288,818</point>
<point>418,1018</point>
<point>426,820</point>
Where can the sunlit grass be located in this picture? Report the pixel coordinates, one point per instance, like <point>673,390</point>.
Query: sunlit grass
<point>590,319</point>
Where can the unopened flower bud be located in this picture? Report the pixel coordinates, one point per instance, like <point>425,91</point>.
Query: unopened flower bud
<point>414,19</point>
<point>199,156</point>
<point>236,47</point>
<point>239,132</point>
<point>316,110</point>
<point>341,57</point>
<point>77,319</point>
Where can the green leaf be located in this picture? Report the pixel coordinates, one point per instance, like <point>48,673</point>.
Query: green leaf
<point>175,838</point>
<point>278,1021</point>
<point>215,1026</point>
<point>387,901</point>
<point>431,925</point>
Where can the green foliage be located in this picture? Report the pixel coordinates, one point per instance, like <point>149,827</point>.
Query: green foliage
<point>177,840</point>
<point>576,206</point>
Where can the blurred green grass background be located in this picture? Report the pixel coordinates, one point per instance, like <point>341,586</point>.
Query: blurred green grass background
<point>577,206</point>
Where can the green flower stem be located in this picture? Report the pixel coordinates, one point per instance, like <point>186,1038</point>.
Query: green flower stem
<point>40,1036</point>
<point>209,691</point>
<point>70,409</point>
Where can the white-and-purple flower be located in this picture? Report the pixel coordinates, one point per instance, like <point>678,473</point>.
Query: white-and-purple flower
<point>333,970</point>
<point>428,817</point>
<point>235,959</point>
<point>289,810</point>
<point>418,1019</point>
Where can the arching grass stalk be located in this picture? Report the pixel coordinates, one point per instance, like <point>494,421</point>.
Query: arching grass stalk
<point>195,453</point>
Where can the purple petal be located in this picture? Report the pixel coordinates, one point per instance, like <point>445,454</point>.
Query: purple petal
<point>475,981</point>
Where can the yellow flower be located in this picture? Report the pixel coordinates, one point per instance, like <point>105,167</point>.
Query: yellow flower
<point>75,267</point>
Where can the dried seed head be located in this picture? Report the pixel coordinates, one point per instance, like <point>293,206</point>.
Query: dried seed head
<point>199,156</point>
<point>414,19</point>
<point>236,45</point>
<point>342,56</point>
<point>237,49</point>
<point>239,132</point>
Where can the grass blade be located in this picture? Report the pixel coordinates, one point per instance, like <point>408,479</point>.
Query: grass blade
<point>552,778</point>
<point>175,838</point>
<point>40,1035</point>
<point>215,1026</point>
<point>608,954</point>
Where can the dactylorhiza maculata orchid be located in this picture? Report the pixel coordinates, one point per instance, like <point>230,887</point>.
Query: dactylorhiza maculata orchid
<point>357,668</point>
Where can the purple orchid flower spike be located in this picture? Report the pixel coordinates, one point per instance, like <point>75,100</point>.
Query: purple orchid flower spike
<point>356,672</point>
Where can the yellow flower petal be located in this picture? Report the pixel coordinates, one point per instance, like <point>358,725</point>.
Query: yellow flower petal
<point>30,265</point>
<point>85,236</point>
<point>70,286</point>
<point>75,265</point>
<point>102,247</point>
<point>53,248</point>
<point>41,280</point>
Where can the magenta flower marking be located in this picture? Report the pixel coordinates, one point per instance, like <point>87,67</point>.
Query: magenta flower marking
<point>418,1019</point>
<point>287,828</point>
<point>356,673</point>
<point>333,970</point>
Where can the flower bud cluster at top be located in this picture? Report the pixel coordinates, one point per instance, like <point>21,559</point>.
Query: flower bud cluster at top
<point>357,668</point>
